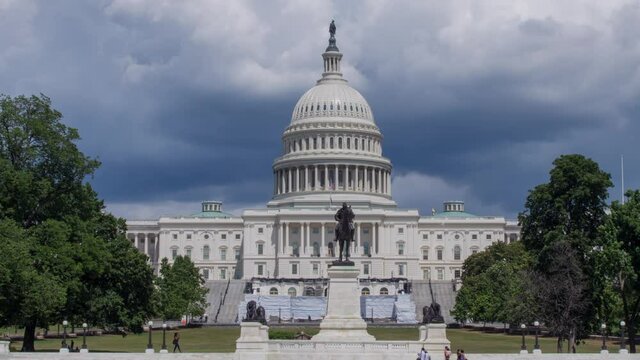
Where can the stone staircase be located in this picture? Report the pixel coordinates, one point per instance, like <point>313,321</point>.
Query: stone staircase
<point>217,289</point>
<point>443,292</point>
<point>229,309</point>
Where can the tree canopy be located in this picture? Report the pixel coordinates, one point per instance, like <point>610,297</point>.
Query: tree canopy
<point>180,289</point>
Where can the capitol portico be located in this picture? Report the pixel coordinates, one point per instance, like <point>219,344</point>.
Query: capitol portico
<point>332,153</point>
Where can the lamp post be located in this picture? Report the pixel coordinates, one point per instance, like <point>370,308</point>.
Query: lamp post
<point>623,346</point>
<point>84,338</point>
<point>164,339</point>
<point>603,349</point>
<point>523,348</point>
<point>150,344</point>
<point>63,347</point>
<point>536,347</point>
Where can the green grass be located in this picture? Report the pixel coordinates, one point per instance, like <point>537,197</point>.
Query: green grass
<point>222,339</point>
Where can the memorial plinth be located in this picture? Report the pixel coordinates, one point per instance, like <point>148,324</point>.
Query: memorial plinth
<point>343,321</point>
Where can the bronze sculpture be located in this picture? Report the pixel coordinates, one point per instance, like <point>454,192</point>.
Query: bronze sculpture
<point>344,231</point>
<point>255,313</point>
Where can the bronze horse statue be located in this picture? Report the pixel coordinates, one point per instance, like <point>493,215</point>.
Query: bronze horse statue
<point>344,230</point>
<point>255,313</point>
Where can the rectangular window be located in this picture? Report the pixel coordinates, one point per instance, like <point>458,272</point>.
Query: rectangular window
<point>205,274</point>
<point>294,230</point>
<point>237,236</point>
<point>260,269</point>
<point>400,248</point>
<point>426,274</point>
<point>260,230</point>
<point>400,230</point>
<point>365,269</point>
<point>174,253</point>
<point>400,269</point>
<point>488,236</point>
<point>175,236</point>
<point>294,269</point>
<point>440,274</point>
<point>439,237</point>
<point>223,254</point>
<point>425,254</point>
<point>188,236</point>
<point>188,253</point>
<point>205,253</point>
<point>236,253</point>
<point>223,273</point>
<point>474,237</point>
<point>365,231</point>
<point>316,268</point>
<point>223,236</point>
<point>457,273</point>
<point>439,254</point>
<point>260,249</point>
<point>315,230</point>
<point>425,236</point>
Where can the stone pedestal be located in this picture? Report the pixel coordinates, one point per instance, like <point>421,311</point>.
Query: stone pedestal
<point>434,337</point>
<point>4,346</point>
<point>343,321</point>
<point>84,351</point>
<point>64,350</point>
<point>624,352</point>
<point>604,352</point>
<point>149,351</point>
<point>164,351</point>
<point>523,352</point>
<point>537,351</point>
<point>254,337</point>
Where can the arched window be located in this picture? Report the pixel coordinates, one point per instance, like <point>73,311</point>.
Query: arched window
<point>348,143</point>
<point>330,143</point>
<point>425,253</point>
<point>456,252</point>
<point>292,291</point>
<point>365,292</point>
<point>355,143</point>
<point>308,291</point>
<point>384,291</point>
<point>273,291</point>
<point>322,141</point>
<point>223,253</point>
<point>205,252</point>
<point>339,143</point>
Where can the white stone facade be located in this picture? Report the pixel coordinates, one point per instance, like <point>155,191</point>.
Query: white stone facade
<point>332,153</point>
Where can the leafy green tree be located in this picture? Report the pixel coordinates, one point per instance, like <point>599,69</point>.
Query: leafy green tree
<point>566,213</point>
<point>620,259</point>
<point>181,289</point>
<point>63,252</point>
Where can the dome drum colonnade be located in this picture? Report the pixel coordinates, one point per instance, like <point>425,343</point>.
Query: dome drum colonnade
<point>332,143</point>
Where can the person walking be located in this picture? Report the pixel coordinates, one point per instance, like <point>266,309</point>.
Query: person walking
<point>176,342</point>
<point>447,353</point>
<point>424,355</point>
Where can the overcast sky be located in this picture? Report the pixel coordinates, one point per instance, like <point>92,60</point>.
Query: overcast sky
<point>184,101</point>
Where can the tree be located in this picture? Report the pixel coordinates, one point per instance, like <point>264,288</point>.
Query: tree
<point>180,289</point>
<point>60,244</point>
<point>566,213</point>
<point>619,258</point>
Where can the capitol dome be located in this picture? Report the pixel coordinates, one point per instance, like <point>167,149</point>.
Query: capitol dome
<point>332,148</point>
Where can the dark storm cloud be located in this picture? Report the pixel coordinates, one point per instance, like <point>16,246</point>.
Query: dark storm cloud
<point>187,101</point>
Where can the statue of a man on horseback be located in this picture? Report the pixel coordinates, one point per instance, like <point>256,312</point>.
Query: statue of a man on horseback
<point>344,230</point>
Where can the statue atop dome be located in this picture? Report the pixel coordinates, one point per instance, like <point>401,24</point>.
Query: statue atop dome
<point>332,38</point>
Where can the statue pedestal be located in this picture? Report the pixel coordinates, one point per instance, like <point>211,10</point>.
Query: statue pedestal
<point>343,321</point>
<point>254,337</point>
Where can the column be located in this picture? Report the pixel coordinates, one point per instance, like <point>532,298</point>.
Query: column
<point>356,183</point>
<point>281,176</point>
<point>335,177</point>
<point>346,177</point>
<point>315,177</point>
<point>307,238</point>
<point>135,241</point>
<point>326,177</point>
<point>297,178</point>
<point>357,238</point>
<point>148,246</point>
<point>366,179</point>
<point>379,187</point>
<point>375,237</point>
<point>322,232</point>
<point>286,237</point>
<point>281,238</point>
<point>389,181</point>
<point>289,187</point>
<point>275,183</point>
<point>306,178</point>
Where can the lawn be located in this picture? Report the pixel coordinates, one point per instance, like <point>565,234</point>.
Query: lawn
<point>222,339</point>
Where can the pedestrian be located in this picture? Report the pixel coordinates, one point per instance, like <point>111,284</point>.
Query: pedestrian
<point>458,355</point>
<point>424,355</point>
<point>176,342</point>
<point>463,356</point>
<point>447,353</point>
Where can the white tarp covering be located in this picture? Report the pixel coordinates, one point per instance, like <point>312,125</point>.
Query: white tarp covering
<point>405,310</point>
<point>381,306</point>
<point>305,307</point>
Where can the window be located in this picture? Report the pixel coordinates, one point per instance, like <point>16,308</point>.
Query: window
<point>488,236</point>
<point>384,291</point>
<point>425,236</point>
<point>205,252</point>
<point>174,253</point>
<point>439,236</point>
<point>365,268</point>
<point>315,230</point>
<point>315,267</point>
<point>308,291</point>
<point>439,253</point>
<point>474,237</point>
<point>260,269</point>
<point>260,230</point>
<point>175,236</point>
<point>365,292</point>
<point>425,253</point>
<point>400,269</point>
<point>236,253</point>
<point>237,236</point>
<point>294,269</point>
<point>474,250</point>
<point>205,274</point>
<point>426,273</point>
<point>456,252</point>
<point>456,236</point>
<point>223,273</point>
<point>367,249</point>
<point>206,236</point>
<point>260,249</point>
<point>223,236</point>
<point>440,274</point>
<point>457,273</point>
<point>400,230</point>
<point>223,253</point>
<point>188,236</point>
<point>273,291</point>
<point>316,249</point>
<point>292,291</point>
<point>400,248</point>
<point>188,252</point>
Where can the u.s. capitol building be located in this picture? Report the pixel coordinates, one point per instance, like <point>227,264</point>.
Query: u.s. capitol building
<point>331,153</point>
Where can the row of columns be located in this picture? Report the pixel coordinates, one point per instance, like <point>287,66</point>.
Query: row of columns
<point>333,142</point>
<point>332,178</point>
<point>146,243</point>
<point>306,246</point>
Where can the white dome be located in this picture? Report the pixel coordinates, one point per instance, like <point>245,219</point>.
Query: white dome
<point>332,98</point>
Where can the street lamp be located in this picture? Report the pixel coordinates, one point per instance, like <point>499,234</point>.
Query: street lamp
<point>64,333</point>
<point>603,327</point>
<point>84,337</point>
<point>536,347</point>
<point>523,348</point>
<point>623,346</point>
<point>150,344</point>
<point>164,338</point>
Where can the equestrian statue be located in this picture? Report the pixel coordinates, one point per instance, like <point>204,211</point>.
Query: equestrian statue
<point>344,231</point>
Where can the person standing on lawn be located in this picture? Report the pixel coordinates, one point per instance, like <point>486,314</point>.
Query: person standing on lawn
<point>176,342</point>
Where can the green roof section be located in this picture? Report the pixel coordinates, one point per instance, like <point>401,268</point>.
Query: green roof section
<point>454,214</point>
<point>212,210</point>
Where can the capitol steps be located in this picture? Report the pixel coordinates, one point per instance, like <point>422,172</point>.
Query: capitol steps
<point>214,297</point>
<point>234,295</point>
<point>443,292</point>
